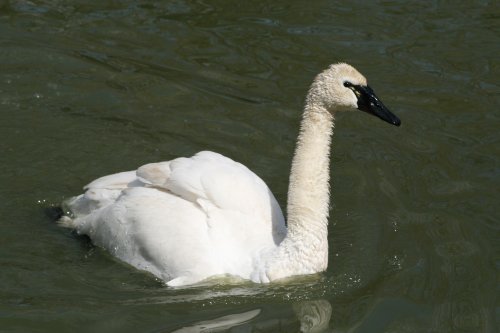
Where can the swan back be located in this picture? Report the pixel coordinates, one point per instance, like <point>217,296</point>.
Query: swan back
<point>184,219</point>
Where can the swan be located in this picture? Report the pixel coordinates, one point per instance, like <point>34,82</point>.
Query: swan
<point>207,216</point>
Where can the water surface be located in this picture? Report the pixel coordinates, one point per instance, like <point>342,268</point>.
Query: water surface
<point>89,88</point>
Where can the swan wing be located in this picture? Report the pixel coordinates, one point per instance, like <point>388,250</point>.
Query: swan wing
<point>206,179</point>
<point>101,193</point>
<point>117,181</point>
<point>210,179</point>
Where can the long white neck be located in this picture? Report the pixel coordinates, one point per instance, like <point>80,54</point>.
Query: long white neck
<point>305,248</point>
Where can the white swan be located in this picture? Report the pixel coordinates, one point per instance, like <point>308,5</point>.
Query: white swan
<point>192,218</point>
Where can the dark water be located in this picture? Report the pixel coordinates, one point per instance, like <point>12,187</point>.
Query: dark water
<point>89,88</point>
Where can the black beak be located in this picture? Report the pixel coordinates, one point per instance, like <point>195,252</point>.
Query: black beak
<point>369,102</point>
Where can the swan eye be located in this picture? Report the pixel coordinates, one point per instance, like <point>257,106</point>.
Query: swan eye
<point>351,86</point>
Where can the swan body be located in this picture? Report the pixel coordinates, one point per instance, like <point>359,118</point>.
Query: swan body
<point>189,219</point>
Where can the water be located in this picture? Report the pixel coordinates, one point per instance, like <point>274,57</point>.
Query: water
<point>90,88</point>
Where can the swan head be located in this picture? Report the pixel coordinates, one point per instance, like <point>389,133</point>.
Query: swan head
<point>342,88</point>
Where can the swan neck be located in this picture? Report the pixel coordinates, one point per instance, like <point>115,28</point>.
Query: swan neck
<point>308,192</point>
<point>305,248</point>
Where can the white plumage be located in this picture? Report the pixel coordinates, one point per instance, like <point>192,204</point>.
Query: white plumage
<point>192,218</point>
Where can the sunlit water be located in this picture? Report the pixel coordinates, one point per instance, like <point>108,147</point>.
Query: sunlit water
<point>90,88</point>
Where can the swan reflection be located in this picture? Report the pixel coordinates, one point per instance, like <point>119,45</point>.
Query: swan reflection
<point>304,317</point>
<point>314,316</point>
<point>219,324</point>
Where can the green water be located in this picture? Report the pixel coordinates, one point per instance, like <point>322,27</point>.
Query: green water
<point>89,88</point>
